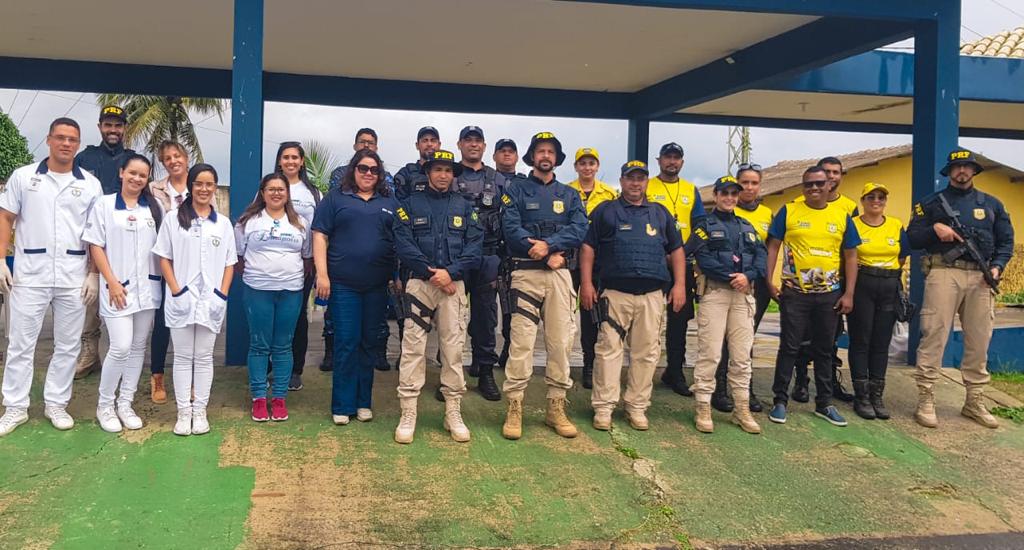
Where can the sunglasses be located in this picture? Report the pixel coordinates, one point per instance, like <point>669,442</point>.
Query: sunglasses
<point>366,168</point>
<point>815,183</point>
<point>748,166</point>
<point>879,197</point>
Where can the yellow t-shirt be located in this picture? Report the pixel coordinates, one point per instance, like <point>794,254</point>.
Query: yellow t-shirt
<point>844,202</point>
<point>812,245</point>
<point>680,198</point>
<point>760,218</point>
<point>601,192</point>
<point>881,246</point>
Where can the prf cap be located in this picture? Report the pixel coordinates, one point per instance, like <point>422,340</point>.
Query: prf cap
<point>634,166</point>
<point>872,186</point>
<point>672,147</point>
<point>961,156</point>
<point>470,130</point>
<point>587,152</point>
<point>505,142</point>
<point>444,157</point>
<point>541,137</point>
<point>725,182</point>
<point>427,130</point>
<point>112,111</point>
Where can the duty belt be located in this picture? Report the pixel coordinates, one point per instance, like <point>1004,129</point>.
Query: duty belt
<point>937,261</point>
<point>880,271</point>
<point>523,263</point>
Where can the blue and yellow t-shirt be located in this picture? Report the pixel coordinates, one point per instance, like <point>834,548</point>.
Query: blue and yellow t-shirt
<point>842,201</point>
<point>812,245</point>
<point>682,200</point>
<point>760,217</point>
<point>881,245</point>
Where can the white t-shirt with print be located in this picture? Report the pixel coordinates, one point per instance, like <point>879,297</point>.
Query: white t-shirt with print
<point>273,251</point>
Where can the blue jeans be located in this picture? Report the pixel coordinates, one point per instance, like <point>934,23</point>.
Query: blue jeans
<point>357,317</point>
<point>272,315</point>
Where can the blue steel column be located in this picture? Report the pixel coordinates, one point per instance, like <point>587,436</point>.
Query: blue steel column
<point>936,121</point>
<point>639,139</point>
<point>246,148</point>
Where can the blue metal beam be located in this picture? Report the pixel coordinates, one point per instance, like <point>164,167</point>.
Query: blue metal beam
<point>878,9</point>
<point>827,125</point>
<point>639,145</point>
<point>246,148</point>
<point>815,44</point>
<point>936,119</point>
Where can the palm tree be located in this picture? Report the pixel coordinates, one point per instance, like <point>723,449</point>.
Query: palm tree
<point>155,118</point>
<point>319,163</point>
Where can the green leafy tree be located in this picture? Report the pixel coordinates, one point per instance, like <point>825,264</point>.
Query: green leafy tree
<point>319,163</point>
<point>155,118</point>
<point>14,151</point>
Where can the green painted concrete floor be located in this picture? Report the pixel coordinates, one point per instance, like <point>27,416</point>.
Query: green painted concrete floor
<point>305,483</point>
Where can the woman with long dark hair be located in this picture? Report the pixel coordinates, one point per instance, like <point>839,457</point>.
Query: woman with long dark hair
<point>273,243</point>
<point>121,232</point>
<point>353,247</point>
<point>880,258</point>
<point>197,255</point>
<point>291,163</point>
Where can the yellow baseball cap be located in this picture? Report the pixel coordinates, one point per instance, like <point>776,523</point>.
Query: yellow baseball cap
<point>587,152</point>
<point>872,186</point>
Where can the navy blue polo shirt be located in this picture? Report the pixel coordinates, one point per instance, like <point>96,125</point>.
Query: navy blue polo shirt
<point>360,238</point>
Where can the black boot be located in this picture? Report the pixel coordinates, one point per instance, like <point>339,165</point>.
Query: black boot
<point>861,402</point>
<point>588,376</point>
<point>676,379</point>
<point>486,386</point>
<point>875,389</point>
<point>720,399</point>
<point>327,365</point>
<point>755,403</point>
<point>438,395</point>
<point>800,391</point>
<point>473,370</point>
<point>838,391</point>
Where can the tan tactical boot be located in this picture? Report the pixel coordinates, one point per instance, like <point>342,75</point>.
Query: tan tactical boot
<point>974,407</point>
<point>556,418</point>
<point>453,420</point>
<point>741,415</point>
<point>925,414</point>
<point>157,392</point>
<point>703,420</point>
<point>603,419</point>
<point>88,358</point>
<point>637,420</point>
<point>407,423</point>
<point>513,428</point>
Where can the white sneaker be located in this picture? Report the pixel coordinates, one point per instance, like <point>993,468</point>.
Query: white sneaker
<point>339,419</point>
<point>12,418</point>
<point>184,424</point>
<point>59,417</point>
<point>108,420</point>
<point>200,425</point>
<point>364,415</point>
<point>128,416</point>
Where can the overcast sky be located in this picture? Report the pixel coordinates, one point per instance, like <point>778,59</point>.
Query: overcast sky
<point>706,149</point>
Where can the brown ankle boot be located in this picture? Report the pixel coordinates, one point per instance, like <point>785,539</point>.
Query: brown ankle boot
<point>741,416</point>
<point>703,421</point>
<point>513,428</point>
<point>557,419</point>
<point>974,407</point>
<point>925,414</point>
<point>156,388</point>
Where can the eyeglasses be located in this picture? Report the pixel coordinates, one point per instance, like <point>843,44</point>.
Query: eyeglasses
<point>815,183</point>
<point>366,142</point>
<point>748,166</point>
<point>877,198</point>
<point>275,190</point>
<point>366,168</point>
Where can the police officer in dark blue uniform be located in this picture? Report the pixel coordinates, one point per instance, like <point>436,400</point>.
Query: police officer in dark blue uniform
<point>104,160</point>
<point>506,157</point>
<point>958,281</point>
<point>411,178</point>
<point>483,187</point>
<point>543,224</point>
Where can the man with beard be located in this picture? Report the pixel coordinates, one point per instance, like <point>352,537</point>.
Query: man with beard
<point>956,283</point>
<point>544,223</point>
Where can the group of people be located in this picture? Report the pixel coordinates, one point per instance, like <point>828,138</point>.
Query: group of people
<point>445,240</point>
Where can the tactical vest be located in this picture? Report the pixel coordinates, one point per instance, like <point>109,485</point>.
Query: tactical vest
<point>545,208</point>
<point>418,181</point>
<point>637,249</point>
<point>721,245</point>
<point>485,197</point>
<point>441,245</point>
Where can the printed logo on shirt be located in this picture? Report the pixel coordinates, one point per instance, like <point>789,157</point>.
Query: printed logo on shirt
<point>402,215</point>
<point>804,225</point>
<point>558,207</point>
<point>700,233</point>
<point>507,200</point>
<point>686,200</point>
<point>891,241</point>
<point>215,241</point>
<point>918,210</point>
<point>457,221</point>
<point>832,228</point>
<point>651,230</point>
<point>76,192</point>
<point>625,227</point>
<point>752,237</point>
<point>979,213</point>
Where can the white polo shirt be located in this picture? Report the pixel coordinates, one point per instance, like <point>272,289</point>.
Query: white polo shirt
<point>52,211</point>
<point>199,254</point>
<point>304,202</point>
<point>273,252</point>
<point>127,236</point>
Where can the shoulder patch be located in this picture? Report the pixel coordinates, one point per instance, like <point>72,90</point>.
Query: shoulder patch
<point>474,217</point>
<point>402,215</point>
<point>918,210</point>
<point>701,233</point>
<point>507,200</point>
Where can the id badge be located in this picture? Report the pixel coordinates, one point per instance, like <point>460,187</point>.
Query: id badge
<point>132,224</point>
<point>196,230</point>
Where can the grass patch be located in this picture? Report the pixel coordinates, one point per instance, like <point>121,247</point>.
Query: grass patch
<point>1016,414</point>
<point>773,307</point>
<point>1011,383</point>
<point>1010,298</point>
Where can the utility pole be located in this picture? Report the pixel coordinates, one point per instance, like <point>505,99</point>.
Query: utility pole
<point>739,147</point>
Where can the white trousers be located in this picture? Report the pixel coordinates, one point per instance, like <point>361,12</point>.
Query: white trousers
<point>193,365</point>
<point>28,307</point>
<point>127,352</point>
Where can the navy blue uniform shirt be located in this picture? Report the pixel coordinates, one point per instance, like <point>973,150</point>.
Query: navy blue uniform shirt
<point>438,230</point>
<point>104,163</point>
<point>360,238</point>
<point>553,201</point>
<point>978,211</point>
<point>723,243</point>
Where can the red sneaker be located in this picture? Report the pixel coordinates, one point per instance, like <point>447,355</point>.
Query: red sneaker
<point>259,410</point>
<point>279,411</point>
